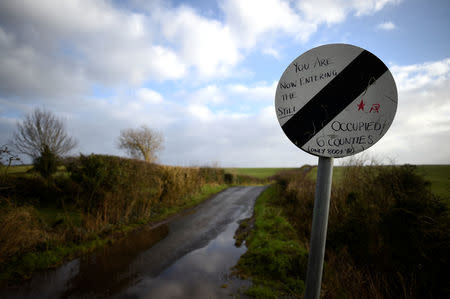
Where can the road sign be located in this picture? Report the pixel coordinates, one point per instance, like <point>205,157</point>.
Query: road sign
<point>336,100</point>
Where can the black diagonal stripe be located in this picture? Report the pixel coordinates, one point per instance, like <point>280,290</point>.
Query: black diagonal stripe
<point>363,71</point>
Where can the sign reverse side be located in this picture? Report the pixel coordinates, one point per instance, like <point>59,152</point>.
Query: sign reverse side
<point>336,100</point>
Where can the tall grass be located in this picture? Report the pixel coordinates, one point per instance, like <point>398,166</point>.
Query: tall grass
<point>20,231</point>
<point>388,235</point>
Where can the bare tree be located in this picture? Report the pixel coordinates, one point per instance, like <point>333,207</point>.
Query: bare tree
<point>141,143</point>
<point>41,131</point>
<point>7,157</point>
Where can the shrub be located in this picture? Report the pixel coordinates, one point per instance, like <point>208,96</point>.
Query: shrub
<point>212,175</point>
<point>114,189</point>
<point>20,231</point>
<point>46,164</point>
<point>28,190</point>
<point>229,178</point>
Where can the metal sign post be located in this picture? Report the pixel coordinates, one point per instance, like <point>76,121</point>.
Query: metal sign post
<point>319,228</point>
<point>333,101</point>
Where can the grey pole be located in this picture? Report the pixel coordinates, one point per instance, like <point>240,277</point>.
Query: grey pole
<point>319,228</point>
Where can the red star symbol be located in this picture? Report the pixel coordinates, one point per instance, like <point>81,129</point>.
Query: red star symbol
<point>361,106</point>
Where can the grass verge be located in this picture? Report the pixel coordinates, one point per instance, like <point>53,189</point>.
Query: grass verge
<point>275,260</point>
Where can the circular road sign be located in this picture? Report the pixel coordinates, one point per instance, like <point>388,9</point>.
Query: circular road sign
<point>336,100</point>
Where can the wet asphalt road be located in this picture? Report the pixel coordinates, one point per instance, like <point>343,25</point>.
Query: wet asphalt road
<point>190,257</point>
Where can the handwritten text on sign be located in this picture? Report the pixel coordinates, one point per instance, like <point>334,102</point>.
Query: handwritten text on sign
<point>336,100</point>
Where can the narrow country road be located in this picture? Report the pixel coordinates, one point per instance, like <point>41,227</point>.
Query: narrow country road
<point>190,257</point>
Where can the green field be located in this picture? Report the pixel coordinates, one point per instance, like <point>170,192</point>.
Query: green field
<point>18,169</point>
<point>25,170</point>
<point>337,173</point>
<point>439,176</point>
<point>261,173</point>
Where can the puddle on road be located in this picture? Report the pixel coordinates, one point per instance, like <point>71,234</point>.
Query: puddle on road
<point>202,273</point>
<point>110,264</point>
<point>102,273</point>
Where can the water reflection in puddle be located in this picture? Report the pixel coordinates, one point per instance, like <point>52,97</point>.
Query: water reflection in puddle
<point>111,264</point>
<point>203,273</point>
<point>101,274</point>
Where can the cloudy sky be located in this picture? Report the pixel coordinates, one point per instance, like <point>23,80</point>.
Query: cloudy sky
<point>205,72</point>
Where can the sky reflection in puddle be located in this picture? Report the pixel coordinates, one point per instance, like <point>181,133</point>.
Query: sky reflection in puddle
<point>203,273</point>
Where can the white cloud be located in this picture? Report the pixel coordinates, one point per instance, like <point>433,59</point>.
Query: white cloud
<point>421,127</point>
<point>256,21</point>
<point>324,11</point>
<point>201,112</point>
<point>249,20</point>
<point>386,26</point>
<point>260,92</point>
<point>149,96</point>
<point>204,43</point>
<point>25,72</point>
<point>368,7</point>
<point>335,11</point>
<point>421,76</point>
<point>77,44</point>
<point>210,94</point>
<point>271,52</point>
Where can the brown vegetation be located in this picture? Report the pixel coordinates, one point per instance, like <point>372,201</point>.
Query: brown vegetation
<point>388,235</point>
<point>20,231</point>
